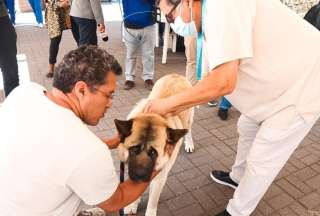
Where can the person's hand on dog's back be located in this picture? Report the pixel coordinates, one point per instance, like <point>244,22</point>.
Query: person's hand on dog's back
<point>159,106</point>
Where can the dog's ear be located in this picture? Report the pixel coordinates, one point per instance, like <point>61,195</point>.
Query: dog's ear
<point>124,128</point>
<point>175,134</point>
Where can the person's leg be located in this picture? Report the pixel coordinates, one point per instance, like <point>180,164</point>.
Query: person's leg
<point>53,52</point>
<point>270,151</point>
<point>38,11</point>
<point>75,29</point>
<point>224,107</point>
<point>11,7</point>
<point>54,49</point>
<point>132,42</point>
<point>8,53</point>
<point>87,31</point>
<point>247,130</point>
<point>224,104</point>
<point>190,44</point>
<point>31,2</point>
<point>147,52</point>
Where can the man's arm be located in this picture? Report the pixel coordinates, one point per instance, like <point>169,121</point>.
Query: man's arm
<point>97,11</point>
<point>126,193</point>
<point>220,81</point>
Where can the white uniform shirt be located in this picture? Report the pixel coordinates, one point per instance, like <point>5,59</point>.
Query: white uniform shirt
<point>279,57</point>
<point>49,160</point>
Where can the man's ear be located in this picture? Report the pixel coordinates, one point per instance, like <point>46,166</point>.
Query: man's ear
<point>124,128</point>
<point>80,88</point>
<point>175,134</point>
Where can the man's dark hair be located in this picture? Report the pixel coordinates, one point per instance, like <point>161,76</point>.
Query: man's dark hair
<point>89,64</point>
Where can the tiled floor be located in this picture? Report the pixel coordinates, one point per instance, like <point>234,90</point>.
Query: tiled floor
<point>189,190</point>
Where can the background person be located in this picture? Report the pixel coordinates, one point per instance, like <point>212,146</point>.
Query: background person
<point>139,18</point>
<point>8,51</point>
<point>86,18</point>
<point>37,10</point>
<point>57,19</point>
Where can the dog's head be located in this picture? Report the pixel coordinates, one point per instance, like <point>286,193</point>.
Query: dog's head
<point>143,142</point>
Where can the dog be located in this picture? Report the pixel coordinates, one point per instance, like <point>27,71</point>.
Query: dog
<point>144,138</point>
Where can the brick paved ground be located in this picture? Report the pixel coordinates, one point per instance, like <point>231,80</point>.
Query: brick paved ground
<point>189,190</point>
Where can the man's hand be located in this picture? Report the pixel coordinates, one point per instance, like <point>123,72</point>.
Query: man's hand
<point>101,27</point>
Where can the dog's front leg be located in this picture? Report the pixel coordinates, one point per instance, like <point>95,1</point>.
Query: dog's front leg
<point>155,191</point>
<point>159,181</point>
<point>188,142</point>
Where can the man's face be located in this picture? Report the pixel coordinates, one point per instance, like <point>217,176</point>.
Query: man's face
<point>97,100</point>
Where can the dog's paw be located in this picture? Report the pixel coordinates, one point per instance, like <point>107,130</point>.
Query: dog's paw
<point>188,143</point>
<point>131,210</point>
<point>189,149</point>
<point>151,212</point>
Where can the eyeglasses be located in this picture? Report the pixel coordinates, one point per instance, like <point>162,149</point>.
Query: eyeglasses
<point>169,16</point>
<point>107,96</point>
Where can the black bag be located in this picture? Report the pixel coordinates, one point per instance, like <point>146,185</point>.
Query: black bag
<point>313,16</point>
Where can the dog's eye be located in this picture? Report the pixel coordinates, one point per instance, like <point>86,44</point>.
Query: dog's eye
<point>135,149</point>
<point>152,152</point>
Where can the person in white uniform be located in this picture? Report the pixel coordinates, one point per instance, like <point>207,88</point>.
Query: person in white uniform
<point>266,60</point>
<point>50,162</point>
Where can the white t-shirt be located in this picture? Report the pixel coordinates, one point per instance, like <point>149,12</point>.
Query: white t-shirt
<point>50,162</point>
<point>279,57</point>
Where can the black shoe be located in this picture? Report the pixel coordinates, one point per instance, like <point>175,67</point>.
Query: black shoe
<point>128,85</point>
<point>224,213</point>
<point>223,114</point>
<point>222,177</point>
<point>148,84</point>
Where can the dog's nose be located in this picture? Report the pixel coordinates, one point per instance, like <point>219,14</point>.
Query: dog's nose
<point>140,178</point>
<point>140,174</point>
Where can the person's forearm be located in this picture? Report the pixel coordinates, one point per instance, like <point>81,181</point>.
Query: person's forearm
<point>126,193</point>
<point>214,85</point>
<point>97,11</point>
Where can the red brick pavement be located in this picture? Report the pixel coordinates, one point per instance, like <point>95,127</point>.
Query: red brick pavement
<point>189,191</point>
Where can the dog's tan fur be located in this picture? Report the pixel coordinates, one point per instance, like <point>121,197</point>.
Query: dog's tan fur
<point>164,87</point>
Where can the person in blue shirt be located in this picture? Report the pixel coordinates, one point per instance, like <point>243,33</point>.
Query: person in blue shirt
<point>139,18</point>
<point>37,10</point>
<point>12,11</point>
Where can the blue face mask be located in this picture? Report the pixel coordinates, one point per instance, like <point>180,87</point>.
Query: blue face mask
<point>184,29</point>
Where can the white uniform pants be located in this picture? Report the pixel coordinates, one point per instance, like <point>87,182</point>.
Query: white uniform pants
<point>263,149</point>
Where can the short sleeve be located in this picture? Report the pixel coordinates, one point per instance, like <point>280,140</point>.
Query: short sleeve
<point>228,29</point>
<point>94,180</point>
